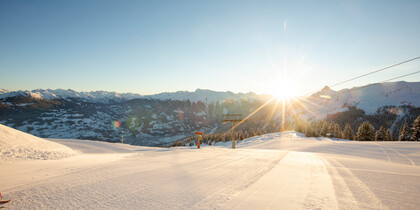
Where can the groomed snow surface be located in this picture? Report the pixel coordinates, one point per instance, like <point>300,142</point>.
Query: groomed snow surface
<point>275,171</point>
<point>17,145</point>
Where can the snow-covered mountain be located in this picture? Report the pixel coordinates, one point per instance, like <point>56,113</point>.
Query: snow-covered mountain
<point>206,96</point>
<point>3,91</point>
<point>368,98</point>
<point>163,118</point>
<point>93,96</point>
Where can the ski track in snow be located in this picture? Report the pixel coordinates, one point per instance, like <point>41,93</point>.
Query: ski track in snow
<point>274,171</point>
<point>300,179</point>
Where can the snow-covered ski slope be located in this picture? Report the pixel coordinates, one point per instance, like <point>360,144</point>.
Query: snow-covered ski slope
<point>17,145</point>
<point>274,171</point>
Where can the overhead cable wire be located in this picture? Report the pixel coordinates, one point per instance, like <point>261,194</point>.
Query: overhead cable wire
<point>357,88</point>
<point>376,71</point>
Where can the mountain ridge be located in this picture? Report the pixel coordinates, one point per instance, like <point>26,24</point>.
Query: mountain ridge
<point>110,96</point>
<point>368,97</point>
<point>173,116</point>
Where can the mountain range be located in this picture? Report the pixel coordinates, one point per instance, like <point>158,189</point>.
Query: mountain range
<point>111,97</point>
<point>166,117</point>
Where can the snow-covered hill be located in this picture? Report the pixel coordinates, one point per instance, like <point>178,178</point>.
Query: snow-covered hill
<point>369,97</point>
<point>17,145</point>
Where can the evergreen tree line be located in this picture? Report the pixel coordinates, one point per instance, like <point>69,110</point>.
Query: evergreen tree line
<point>365,131</point>
<point>392,117</point>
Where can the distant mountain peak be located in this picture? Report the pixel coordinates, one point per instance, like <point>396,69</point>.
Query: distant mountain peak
<point>326,89</point>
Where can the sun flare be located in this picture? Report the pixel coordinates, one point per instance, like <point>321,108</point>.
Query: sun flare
<point>285,89</point>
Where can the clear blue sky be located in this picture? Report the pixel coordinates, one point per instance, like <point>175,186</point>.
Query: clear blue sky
<point>149,47</point>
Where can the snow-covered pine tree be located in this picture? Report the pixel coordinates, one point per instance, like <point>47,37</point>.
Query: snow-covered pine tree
<point>380,134</point>
<point>324,129</point>
<point>404,134</point>
<point>317,127</point>
<point>415,135</point>
<point>331,129</point>
<point>309,130</point>
<point>348,132</point>
<point>337,131</point>
<point>365,132</point>
<point>388,135</point>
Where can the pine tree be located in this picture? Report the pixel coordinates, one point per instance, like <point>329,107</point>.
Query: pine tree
<point>253,132</point>
<point>365,132</point>
<point>259,132</point>
<point>388,135</point>
<point>300,127</point>
<point>337,131</point>
<point>404,134</point>
<point>415,135</point>
<point>348,132</point>
<point>331,130</point>
<point>309,130</point>
<point>225,138</point>
<point>317,128</point>
<point>324,129</point>
<point>246,135</point>
<point>241,135</point>
<point>380,134</point>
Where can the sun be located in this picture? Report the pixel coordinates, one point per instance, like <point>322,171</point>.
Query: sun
<point>285,89</point>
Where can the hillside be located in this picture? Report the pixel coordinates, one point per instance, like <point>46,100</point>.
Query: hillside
<point>17,145</point>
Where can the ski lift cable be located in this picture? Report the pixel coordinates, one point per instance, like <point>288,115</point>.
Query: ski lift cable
<point>356,88</point>
<point>376,71</point>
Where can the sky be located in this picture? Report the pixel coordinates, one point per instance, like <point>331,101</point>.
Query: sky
<point>149,47</point>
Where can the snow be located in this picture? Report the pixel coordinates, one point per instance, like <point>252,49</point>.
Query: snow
<point>206,96</point>
<point>3,91</point>
<point>17,145</point>
<point>369,97</point>
<point>94,96</point>
<point>105,96</point>
<point>273,171</point>
<point>326,101</point>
